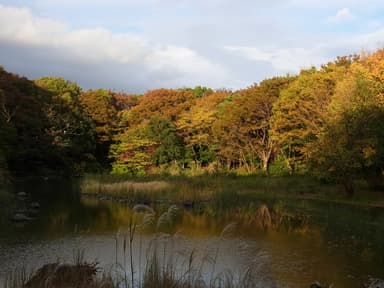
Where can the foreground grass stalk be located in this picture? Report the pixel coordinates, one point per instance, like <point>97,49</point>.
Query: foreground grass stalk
<point>132,229</point>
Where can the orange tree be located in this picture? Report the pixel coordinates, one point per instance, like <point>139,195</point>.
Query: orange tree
<point>99,105</point>
<point>244,124</point>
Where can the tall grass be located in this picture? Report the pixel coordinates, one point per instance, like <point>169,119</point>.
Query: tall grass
<point>222,192</point>
<point>142,190</point>
<point>200,186</point>
<point>123,188</point>
<point>166,266</point>
<point>17,278</point>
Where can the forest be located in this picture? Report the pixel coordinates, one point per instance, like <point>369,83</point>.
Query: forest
<point>326,122</point>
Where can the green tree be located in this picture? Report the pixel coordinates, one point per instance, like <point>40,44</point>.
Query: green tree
<point>28,146</point>
<point>133,152</point>
<point>201,91</point>
<point>5,140</point>
<point>70,129</point>
<point>169,146</point>
<point>146,135</point>
<point>60,89</point>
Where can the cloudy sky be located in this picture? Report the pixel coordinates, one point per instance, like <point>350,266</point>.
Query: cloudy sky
<point>135,45</point>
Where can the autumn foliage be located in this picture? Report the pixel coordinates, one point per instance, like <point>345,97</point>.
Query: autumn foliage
<point>326,121</point>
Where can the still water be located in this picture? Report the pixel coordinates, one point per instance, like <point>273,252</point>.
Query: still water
<point>286,243</point>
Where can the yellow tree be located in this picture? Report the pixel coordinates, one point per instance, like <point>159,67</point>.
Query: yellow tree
<point>299,115</point>
<point>195,126</point>
<point>352,142</point>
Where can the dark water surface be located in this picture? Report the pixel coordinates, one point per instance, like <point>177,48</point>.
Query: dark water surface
<point>302,240</point>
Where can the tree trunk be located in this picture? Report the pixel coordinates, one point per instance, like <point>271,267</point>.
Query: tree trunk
<point>228,164</point>
<point>266,157</point>
<point>349,187</point>
<point>376,180</point>
<point>265,165</point>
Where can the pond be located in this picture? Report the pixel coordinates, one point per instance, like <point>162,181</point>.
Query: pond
<point>284,243</point>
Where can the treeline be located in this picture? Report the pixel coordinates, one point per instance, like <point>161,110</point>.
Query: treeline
<point>49,126</point>
<point>327,121</point>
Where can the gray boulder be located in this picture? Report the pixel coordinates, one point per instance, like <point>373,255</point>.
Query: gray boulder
<point>22,195</point>
<point>19,217</point>
<point>375,283</point>
<point>34,205</point>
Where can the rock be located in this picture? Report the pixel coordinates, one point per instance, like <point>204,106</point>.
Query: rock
<point>188,203</point>
<point>19,217</point>
<point>317,284</point>
<point>34,205</point>
<point>144,202</point>
<point>375,283</point>
<point>161,201</point>
<point>67,275</point>
<point>40,277</point>
<point>33,212</point>
<point>22,195</point>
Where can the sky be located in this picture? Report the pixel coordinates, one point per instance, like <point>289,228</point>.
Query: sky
<point>136,45</point>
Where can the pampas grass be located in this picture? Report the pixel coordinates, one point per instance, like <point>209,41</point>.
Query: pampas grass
<point>123,188</point>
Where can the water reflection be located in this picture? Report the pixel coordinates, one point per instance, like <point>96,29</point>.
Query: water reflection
<point>287,243</point>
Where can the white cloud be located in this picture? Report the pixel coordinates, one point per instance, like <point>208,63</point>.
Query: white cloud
<point>368,41</point>
<point>18,24</point>
<point>287,60</point>
<point>175,65</point>
<point>183,60</point>
<point>92,2</point>
<point>173,43</point>
<point>342,15</point>
<point>336,3</point>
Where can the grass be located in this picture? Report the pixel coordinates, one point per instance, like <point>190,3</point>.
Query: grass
<point>7,202</point>
<point>5,195</point>
<point>222,190</point>
<point>124,188</point>
<point>149,189</point>
<point>17,278</point>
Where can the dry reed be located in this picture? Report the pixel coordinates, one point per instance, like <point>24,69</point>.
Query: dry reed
<point>127,188</point>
